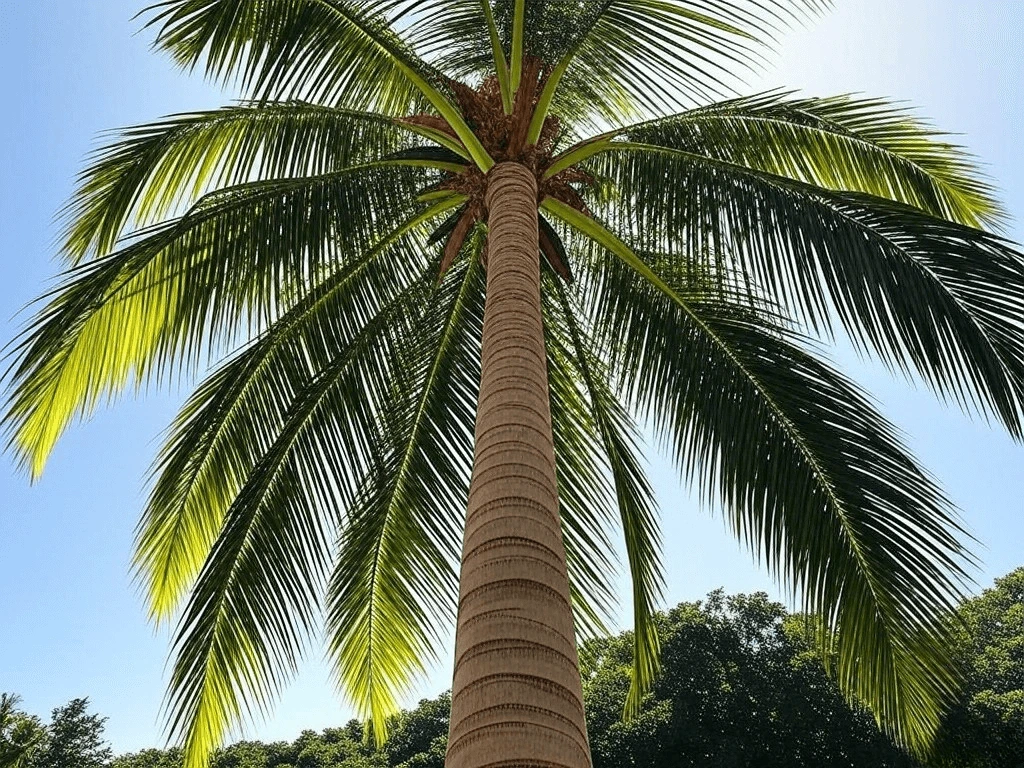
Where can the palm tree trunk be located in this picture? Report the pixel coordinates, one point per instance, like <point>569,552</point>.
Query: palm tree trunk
<point>517,699</point>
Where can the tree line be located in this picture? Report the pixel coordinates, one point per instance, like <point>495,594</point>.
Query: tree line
<point>742,684</point>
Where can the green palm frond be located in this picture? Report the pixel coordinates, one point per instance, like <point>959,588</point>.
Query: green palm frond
<point>339,52</point>
<point>334,52</point>
<point>634,496</point>
<point>152,170</point>
<point>844,143</point>
<point>231,420</point>
<point>609,58</point>
<point>658,52</point>
<point>586,499</point>
<point>813,479</point>
<point>926,294</point>
<point>225,268</point>
<point>257,598</point>
<point>394,586</point>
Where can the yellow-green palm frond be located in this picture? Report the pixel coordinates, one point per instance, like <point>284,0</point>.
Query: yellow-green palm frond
<point>152,171</point>
<point>394,586</point>
<point>257,599</point>
<point>216,441</point>
<point>225,268</point>
<point>843,143</point>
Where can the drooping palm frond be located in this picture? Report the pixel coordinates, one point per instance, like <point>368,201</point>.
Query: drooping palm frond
<point>152,170</point>
<point>256,601</point>
<point>813,479</point>
<point>394,586</point>
<point>232,419</point>
<point>925,294</point>
<point>20,734</point>
<point>192,284</point>
<point>843,143</point>
<point>585,497</point>
<point>634,496</point>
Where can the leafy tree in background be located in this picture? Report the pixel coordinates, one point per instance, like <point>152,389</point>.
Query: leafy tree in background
<point>986,729</point>
<point>74,739</point>
<point>419,738</point>
<point>650,253</point>
<point>149,758</point>
<point>741,685</point>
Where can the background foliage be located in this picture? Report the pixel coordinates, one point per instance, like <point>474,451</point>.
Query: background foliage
<point>741,685</point>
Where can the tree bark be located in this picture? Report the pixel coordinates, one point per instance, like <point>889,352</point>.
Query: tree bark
<point>517,699</point>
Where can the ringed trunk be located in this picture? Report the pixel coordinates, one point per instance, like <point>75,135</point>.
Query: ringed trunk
<point>517,699</point>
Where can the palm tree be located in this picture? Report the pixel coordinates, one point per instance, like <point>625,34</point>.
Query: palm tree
<point>453,254</point>
<point>20,734</point>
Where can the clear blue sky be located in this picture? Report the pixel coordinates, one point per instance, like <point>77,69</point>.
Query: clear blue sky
<point>71,622</point>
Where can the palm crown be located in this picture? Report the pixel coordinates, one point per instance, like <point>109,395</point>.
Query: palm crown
<point>329,237</point>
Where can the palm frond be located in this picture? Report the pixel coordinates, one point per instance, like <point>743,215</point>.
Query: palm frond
<point>810,476</point>
<point>233,417</point>
<point>334,52</point>
<point>634,496</point>
<point>843,143</point>
<point>656,52</point>
<point>153,170</point>
<point>257,599</point>
<point>339,52</point>
<point>925,294</point>
<point>394,587</point>
<point>224,269</point>
<point>586,499</point>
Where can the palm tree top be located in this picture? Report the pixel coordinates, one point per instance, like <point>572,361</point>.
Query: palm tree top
<point>694,250</point>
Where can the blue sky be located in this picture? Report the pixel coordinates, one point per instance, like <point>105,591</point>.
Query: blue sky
<point>73,623</point>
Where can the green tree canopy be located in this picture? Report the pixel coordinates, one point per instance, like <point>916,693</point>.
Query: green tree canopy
<point>986,728</point>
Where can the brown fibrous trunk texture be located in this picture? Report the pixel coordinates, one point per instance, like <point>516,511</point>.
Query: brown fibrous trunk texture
<point>517,699</point>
